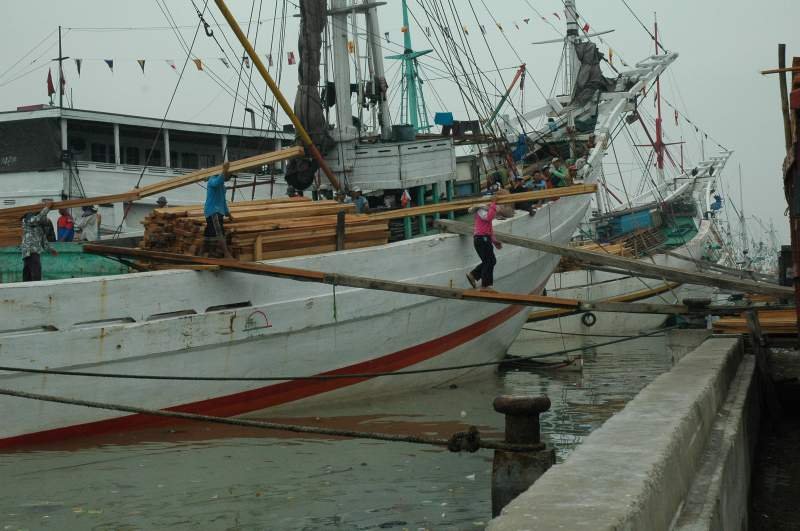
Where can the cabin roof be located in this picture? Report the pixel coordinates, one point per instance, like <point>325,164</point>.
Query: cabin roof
<point>44,112</point>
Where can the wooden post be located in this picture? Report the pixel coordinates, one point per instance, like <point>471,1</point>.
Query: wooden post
<point>762,364</point>
<point>340,231</point>
<point>783,85</point>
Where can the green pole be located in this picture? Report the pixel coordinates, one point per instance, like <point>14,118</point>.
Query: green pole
<point>423,228</point>
<point>407,232</point>
<point>411,79</point>
<point>436,199</point>
<point>450,194</point>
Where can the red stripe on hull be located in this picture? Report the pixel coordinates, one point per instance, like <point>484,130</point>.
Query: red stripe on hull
<point>277,394</point>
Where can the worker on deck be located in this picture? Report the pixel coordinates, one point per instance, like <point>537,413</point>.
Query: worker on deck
<point>66,226</point>
<point>89,225</point>
<point>215,210</point>
<point>485,242</point>
<point>558,173</point>
<point>161,202</point>
<point>361,203</point>
<point>34,241</point>
<point>518,187</point>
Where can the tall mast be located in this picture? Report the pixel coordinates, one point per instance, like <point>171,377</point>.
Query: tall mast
<point>573,34</point>
<point>411,82</point>
<point>60,73</point>
<point>341,71</point>
<point>659,147</point>
<point>743,221</point>
<point>381,88</point>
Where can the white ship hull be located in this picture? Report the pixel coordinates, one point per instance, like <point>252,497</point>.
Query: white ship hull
<point>599,285</point>
<point>165,323</point>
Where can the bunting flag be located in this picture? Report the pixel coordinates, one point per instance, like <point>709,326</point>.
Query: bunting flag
<point>51,89</point>
<point>610,56</point>
<point>526,20</point>
<point>225,62</point>
<point>516,25</point>
<point>557,15</point>
<point>171,64</point>
<point>246,61</point>
<point>269,59</point>
<point>351,47</point>
<point>483,29</point>
<point>387,36</point>
<point>141,64</point>
<point>110,63</point>
<point>466,30</point>
<point>291,59</point>
<point>676,117</point>
<point>586,28</point>
<point>405,199</point>
<point>499,26</point>
<point>198,63</point>
<point>78,66</point>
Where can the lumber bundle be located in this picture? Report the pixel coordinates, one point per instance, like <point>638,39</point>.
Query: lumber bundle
<point>776,322</point>
<point>10,233</point>
<point>265,230</point>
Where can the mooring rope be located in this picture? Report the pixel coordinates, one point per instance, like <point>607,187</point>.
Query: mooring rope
<point>354,376</point>
<point>469,440</point>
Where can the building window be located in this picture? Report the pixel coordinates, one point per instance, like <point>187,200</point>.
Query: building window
<point>189,161</point>
<point>98,152</point>
<point>206,161</point>
<point>153,158</point>
<point>131,155</point>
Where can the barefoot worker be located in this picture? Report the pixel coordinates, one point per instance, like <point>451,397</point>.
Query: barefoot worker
<point>484,245</point>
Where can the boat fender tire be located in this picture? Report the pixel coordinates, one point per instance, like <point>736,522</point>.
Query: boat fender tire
<point>589,319</point>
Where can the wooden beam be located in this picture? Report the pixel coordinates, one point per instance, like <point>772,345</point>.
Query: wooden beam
<point>463,204</point>
<point>161,187</point>
<point>630,265</point>
<point>339,279</point>
<point>722,269</point>
<point>780,70</point>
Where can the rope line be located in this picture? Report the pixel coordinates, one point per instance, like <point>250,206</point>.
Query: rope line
<point>469,441</point>
<point>355,376</point>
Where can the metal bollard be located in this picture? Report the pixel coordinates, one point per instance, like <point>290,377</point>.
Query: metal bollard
<point>514,472</point>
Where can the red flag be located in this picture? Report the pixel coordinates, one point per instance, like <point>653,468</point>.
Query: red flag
<point>292,60</point>
<point>557,15</point>
<point>586,28</point>
<point>63,81</point>
<point>51,89</point>
<point>676,117</point>
<point>405,199</point>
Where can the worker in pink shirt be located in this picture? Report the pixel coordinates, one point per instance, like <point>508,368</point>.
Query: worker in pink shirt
<point>483,236</point>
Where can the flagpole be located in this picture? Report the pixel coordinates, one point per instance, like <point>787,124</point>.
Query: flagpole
<point>60,73</point>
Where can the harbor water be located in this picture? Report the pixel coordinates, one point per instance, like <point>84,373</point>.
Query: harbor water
<point>201,476</point>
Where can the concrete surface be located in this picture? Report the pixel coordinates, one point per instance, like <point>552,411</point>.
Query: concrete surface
<point>636,470</point>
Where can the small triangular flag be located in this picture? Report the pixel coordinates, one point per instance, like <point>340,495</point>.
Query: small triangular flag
<point>386,34</point>
<point>526,20</point>
<point>516,25</point>
<point>141,64</point>
<point>51,89</point>
<point>557,16</point>
<point>269,59</point>
<point>198,63</point>
<point>110,63</point>
<point>466,30</point>
<point>171,64</point>
<point>78,63</point>
<point>586,28</point>
<point>225,62</point>
<point>291,58</point>
<point>499,26</point>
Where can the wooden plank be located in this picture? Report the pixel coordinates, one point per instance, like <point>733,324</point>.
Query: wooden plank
<point>169,184</point>
<point>629,264</point>
<point>463,204</point>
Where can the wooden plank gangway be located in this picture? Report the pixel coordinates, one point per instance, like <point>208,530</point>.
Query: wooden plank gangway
<point>629,265</point>
<point>178,261</point>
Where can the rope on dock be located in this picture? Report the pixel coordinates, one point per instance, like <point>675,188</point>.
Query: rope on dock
<point>578,334</point>
<point>367,375</point>
<point>469,440</point>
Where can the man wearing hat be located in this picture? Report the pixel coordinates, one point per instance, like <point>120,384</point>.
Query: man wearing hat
<point>558,172</point>
<point>362,205</point>
<point>89,225</point>
<point>34,241</point>
<point>161,202</point>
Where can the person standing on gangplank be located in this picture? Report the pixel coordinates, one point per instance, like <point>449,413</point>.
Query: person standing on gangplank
<point>483,237</point>
<point>215,210</point>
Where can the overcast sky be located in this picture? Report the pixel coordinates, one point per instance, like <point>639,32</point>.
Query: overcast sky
<point>715,83</point>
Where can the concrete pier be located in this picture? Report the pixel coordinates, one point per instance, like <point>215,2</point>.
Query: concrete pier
<point>678,456</point>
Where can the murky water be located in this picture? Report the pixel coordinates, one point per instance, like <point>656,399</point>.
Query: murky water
<point>215,477</point>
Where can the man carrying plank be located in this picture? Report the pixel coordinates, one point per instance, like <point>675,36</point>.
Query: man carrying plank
<point>214,210</point>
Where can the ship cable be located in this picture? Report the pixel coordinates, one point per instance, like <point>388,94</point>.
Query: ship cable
<point>329,376</point>
<point>469,440</point>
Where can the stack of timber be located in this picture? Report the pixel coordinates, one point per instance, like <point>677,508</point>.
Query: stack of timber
<point>617,249</point>
<point>265,230</point>
<point>10,232</point>
<point>775,322</point>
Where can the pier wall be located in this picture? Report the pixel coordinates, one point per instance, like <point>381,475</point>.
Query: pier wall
<point>677,457</point>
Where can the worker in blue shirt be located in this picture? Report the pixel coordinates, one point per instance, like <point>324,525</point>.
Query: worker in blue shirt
<point>215,210</point>
<point>362,205</point>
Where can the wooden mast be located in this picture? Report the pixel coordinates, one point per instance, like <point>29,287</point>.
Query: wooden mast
<point>301,131</point>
